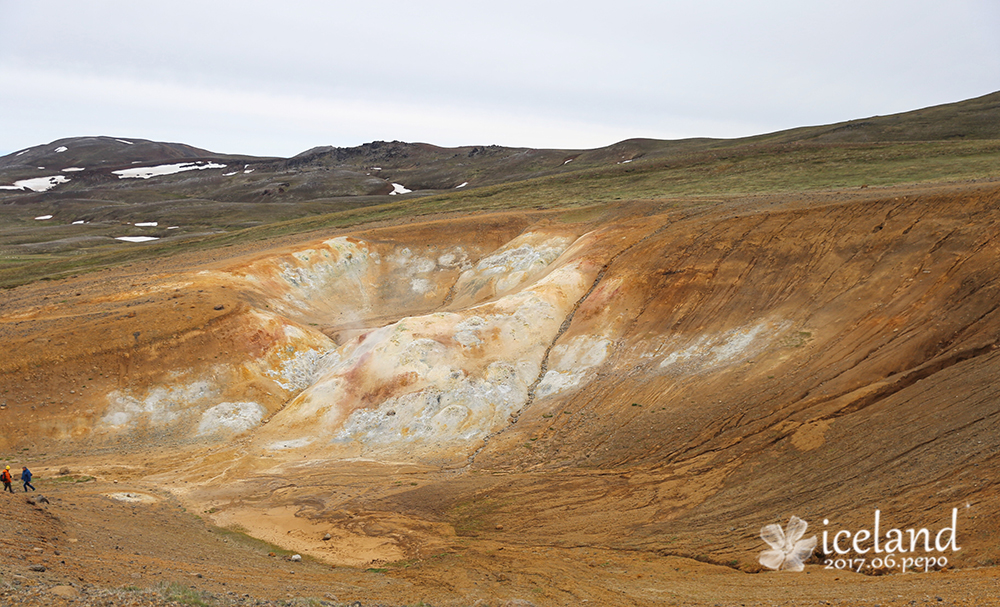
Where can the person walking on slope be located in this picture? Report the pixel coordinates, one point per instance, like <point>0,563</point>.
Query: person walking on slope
<point>26,477</point>
<point>5,477</point>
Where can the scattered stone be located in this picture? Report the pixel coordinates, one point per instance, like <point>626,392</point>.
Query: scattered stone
<point>390,412</point>
<point>39,550</point>
<point>499,527</point>
<point>65,472</point>
<point>295,558</point>
<point>220,307</point>
<point>327,537</point>
<point>38,568</point>
<point>66,592</point>
<point>271,554</point>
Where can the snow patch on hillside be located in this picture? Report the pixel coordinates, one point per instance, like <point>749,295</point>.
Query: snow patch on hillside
<point>165,169</point>
<point>37,184</point>
<point>136,238</point>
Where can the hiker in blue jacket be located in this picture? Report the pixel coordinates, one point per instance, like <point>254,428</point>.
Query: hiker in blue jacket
<point>26,477</point>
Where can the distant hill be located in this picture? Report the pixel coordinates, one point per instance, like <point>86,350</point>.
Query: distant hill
<point>977,118</point>
<point>95,152</point>
<point>87,165</point>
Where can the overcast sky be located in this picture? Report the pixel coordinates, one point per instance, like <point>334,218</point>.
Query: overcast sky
<point>277,78</point>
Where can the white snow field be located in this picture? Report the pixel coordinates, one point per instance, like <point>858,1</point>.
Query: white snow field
<point>37,184</point>
<point>136,238</point>
<point>165,169</point>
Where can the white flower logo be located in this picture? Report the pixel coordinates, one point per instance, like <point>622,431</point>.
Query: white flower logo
<point>788,551</point>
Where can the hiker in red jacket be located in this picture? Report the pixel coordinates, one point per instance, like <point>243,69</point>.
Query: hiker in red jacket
<point>5,477</point>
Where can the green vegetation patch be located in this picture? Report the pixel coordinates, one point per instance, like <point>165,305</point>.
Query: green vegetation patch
<point>237,535</point>
<point>179,593</point>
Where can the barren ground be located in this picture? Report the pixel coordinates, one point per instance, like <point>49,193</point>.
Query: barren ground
<point>93,537</point>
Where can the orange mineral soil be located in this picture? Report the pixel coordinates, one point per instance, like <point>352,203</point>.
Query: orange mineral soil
<point>602,405</point>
